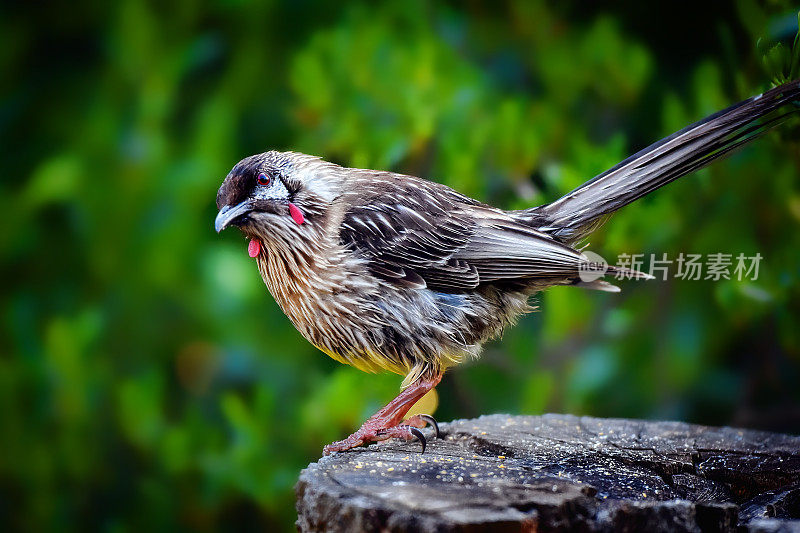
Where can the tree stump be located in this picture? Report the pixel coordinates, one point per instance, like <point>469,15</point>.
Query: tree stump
<point>559,472</point>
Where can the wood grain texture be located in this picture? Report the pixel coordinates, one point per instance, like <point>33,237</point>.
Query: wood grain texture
<point>559,473</point>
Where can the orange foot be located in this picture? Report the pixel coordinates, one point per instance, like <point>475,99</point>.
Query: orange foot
<point>388,422</point>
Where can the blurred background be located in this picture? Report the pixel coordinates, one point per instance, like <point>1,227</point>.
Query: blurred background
<point>147,378</point>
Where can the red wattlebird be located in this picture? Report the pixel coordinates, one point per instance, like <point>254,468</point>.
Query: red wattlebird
<point>384,271</point>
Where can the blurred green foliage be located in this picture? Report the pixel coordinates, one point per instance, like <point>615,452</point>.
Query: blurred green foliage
<point>146,377</point>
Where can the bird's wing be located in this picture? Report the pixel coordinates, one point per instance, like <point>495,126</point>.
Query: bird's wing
<point>437,238</point>
<point>503,249</point>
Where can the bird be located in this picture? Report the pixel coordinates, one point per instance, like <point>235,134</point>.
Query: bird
<point>391,272</point>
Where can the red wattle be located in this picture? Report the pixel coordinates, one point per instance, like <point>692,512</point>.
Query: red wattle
<point>297,215</point>
<point>254,247</point>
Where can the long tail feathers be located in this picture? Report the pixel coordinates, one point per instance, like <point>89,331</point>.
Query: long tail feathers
<point>579,212</point>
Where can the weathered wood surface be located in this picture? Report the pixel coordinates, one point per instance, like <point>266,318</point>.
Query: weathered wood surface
<point>560,473</point>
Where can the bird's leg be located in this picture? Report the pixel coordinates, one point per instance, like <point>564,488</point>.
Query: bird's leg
<point>388,422</point>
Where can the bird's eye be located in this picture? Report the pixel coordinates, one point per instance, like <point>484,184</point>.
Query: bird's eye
<point>263,179</point>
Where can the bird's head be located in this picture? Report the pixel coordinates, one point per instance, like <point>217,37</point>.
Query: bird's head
<point>276,196</point>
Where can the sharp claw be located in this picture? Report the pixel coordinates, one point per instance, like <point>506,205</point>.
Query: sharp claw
<point>417,433</point>
<point>432,421</point>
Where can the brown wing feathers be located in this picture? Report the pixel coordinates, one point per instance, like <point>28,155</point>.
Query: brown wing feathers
<point>440,242</point>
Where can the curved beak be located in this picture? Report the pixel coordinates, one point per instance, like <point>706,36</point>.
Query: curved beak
<point>228,214</point>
